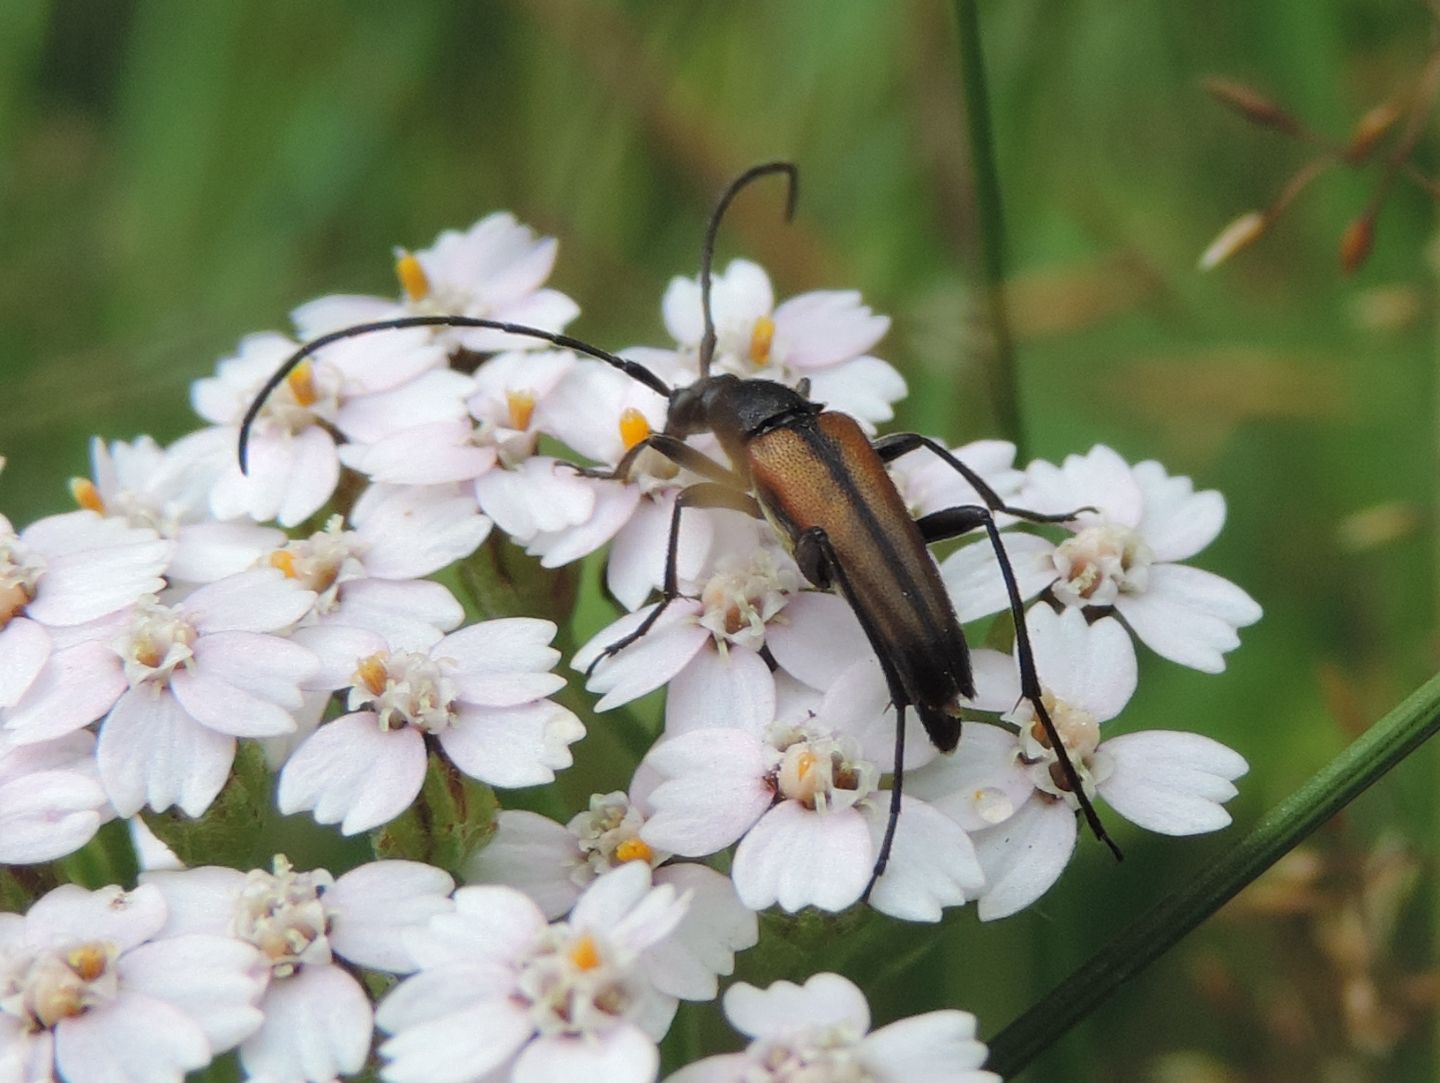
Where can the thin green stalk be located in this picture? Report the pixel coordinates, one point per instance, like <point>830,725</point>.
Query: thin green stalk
<point>1337,784</point>
<point>1000,365</point>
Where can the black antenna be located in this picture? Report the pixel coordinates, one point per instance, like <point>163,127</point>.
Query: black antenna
<point>632,369</point>
<point>707,253</point>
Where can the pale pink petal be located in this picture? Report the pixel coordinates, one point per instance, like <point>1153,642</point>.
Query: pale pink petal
<point>816,638</point>
<point>317,1026</point>
<point>503,646</point>
<point>353,773</point>
<point>625,1054</point>
<point>338,310</point>
<point>490,925</point>
<point>316,469</point>
<point>199,900</point>
<point>533,854</point>
<point>412,614</point>
<point>734,689</point>
<point>647,663</point>
<point>800,858</point>
<point>76,687</point>
<point>1091,666</point>
<point>1024,856</point>
<point>24,648</point>
<point>824,327</point>
<point>126,918</point>
<point>430,407</point>
<point>243,682</point>
<point>613,505</point>
<point>413,531</point>
<point>205,552</point>
<point>457,1047</point>
<point>339,650</point>
<point>637,558</point>
<point>513,746</point>
<point>536,496</point>
<point>863,387</point>
<point>371,906</point>
<point>136,1039</point>
<point>715,789</point>
<point>262,600</point>
<point>973,578</point>
<point>724,1068</point>
<point>152,753</point>
<point>716,925</point>
<point>81,586</point>
<point>380,361</point>
<point>214,980</point>
<point>1173,783</point>
<point>681,311</point>
<point>549,310</point>
<point>932,862</point>
<point>980,784</point>
<point>46,815</point>
<point>1189,616</point>
<point>428,454</point>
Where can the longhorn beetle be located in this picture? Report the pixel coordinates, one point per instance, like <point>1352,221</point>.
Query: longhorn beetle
<point>822,484</point>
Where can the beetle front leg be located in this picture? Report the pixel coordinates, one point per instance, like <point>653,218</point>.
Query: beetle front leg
<point>704,494</point>
<point>676,450</point>
<point>891,447</point>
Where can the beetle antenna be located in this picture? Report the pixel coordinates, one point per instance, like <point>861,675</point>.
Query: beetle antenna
<point>707,252</point>
<point>632,369</point>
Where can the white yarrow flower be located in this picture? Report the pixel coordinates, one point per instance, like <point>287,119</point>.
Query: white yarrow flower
<point>820,1033</point>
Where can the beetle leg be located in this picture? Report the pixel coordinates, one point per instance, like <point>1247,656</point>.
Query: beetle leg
<point>955,521</point>
<point>677,451</point>
<point>816,557</point>
<point>704,494</point>
<point>891,447</point>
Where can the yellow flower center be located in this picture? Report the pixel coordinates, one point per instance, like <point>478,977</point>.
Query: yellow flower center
<point>762,335</point>
<point>633,850</point>
<point>87,495</point>
<point>633,427</point>
<point>412,277</point>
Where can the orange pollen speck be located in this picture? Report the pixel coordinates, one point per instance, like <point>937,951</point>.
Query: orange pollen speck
<point>521,405</point>
<point>633,850</point>
<point>302,383</point>
<point>373,674</point>
<point>633,427</point>
<point>88,961</point>
<point>761,337</point>
<point>585,955</point>
<point>805,764</point>
<point>87,495</point>
<point>285,561</point>
<point>412,277</point>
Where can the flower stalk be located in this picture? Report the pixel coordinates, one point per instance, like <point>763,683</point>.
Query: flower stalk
<point>1333,787</point>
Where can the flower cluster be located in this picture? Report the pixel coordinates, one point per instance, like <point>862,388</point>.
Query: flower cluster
<point>308,606</point>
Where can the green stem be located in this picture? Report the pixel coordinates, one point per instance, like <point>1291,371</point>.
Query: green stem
<point>1000,364</point>
<point>1337,784</point>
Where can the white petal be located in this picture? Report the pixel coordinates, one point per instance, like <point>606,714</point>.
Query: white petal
<point>458,1047</point>
<point>206,552</point>
<point>825,1000</point>
<point>1086,665</point>
<point>863,387</point>
<point>135,1039</point>
<point>937,1047</point>
<point>534,854</point>
<point>513,746</point>
<point>534,497</point>
<point>200,900</point>
<point>436,398</point>
<point>625,1054</point>
<point>339,650</point>
<point>816,638</point>
<point>490,925</point>
<point>799,858</point>
<point>46,815</point>
<point>317,1026</point>
<point>411,614</point>
<point>637,557</point>
<point>1177,522</point>
<point>1173,783</point>
<point>77,686</point>
<point>980,784</point>
<point>352,773</point>
<point>932,862</point>
<point>716,789</point>
<point>262,600</point>
<point>825,327</point>
<point>973,578</point>
<point>152,753</point>
<point>215,980</point>
<point>415,531</point>
<point>715,690</point>
<point>68,913</point>
<point>613,505</point>
<point>1189,616</point>
<point>508,645</point>
<point>1100,479</point>
<point>372,905</point>
<point>1024,856</point>
<point>649,662</point>
<point>214,701</point>
<point>24,648</point>
<point>716,925</point>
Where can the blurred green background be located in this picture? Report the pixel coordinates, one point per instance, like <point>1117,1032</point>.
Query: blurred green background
<point>175,175</point>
